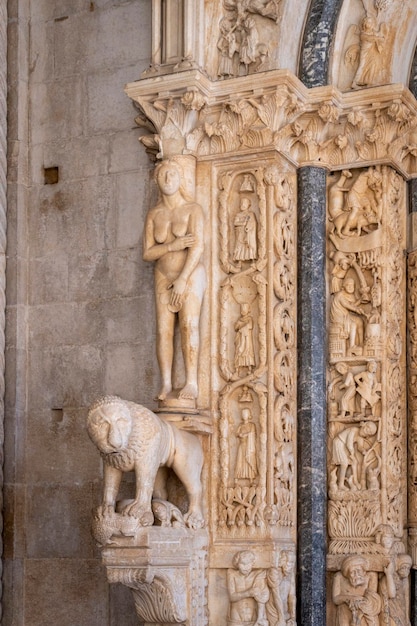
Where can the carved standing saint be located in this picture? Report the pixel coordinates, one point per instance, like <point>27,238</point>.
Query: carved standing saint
<point>246,465</point>
<point>244,350</point>
<point>245,225</point>
<point>248,592</point>
<point>174,239</point>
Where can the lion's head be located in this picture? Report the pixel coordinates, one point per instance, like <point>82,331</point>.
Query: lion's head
<point>109,424</point>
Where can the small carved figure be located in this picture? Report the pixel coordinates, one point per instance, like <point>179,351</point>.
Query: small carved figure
<point>345,381</point>
<point>267,8</point>
<point>282,193</point>
<point>248,592</point>
<point>337,193</point>
<point>245,223</point>
<point>246,464</point>
<point>368,387</point>
<point>362,208</point>
<point>385,537</point>
<point>283,422</point>
<point>249,45</point>
<point>167,514</point>
<point>244,350</point>
<point>281,606</point>
<point>105,525</point>
<point>173,237</point>
<point>342,263</point>
<point>130,437</point>
<point>247,183</point>
<point>355,594</point>
<point>284,466</point>
<point>372,476</point>
<point>228,46</point>
<point>346,317</point>
<point>246,395</point>
<point>348,450</point>
<point>394,591</point>
<point>371,69</point>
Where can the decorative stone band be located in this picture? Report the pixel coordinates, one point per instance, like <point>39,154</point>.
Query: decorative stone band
<point>187,113</point>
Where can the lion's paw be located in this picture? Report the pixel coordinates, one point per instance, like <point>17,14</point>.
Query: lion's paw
<point>194,521</point>
<point>147,519</point>
<point>143,515</point>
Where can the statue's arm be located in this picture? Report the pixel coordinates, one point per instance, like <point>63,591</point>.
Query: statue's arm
<point>152,251</point>
<point>235,595</point>
<point>196,228</point>
<point>338,595</point>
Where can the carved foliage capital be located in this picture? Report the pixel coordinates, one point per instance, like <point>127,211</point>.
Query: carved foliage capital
<point>193,115</point>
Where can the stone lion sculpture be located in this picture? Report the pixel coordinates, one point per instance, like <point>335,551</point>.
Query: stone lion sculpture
<point>131,437</point>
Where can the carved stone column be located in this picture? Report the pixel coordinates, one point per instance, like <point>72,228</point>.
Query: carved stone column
<point>311,396</point>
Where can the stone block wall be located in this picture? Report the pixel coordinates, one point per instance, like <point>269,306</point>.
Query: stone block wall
<point>80,299</point>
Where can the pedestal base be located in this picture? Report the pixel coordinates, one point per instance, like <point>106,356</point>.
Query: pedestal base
<point>165,568</point>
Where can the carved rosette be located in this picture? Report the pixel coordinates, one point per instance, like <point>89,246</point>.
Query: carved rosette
<point>366,373</point>
<point>256,225</point>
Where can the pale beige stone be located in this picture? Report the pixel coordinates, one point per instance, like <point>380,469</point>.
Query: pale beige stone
<point>81,320</point>
<point>130,437</point>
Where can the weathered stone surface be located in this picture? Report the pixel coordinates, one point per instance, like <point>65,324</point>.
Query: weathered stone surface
<point>81,317</point>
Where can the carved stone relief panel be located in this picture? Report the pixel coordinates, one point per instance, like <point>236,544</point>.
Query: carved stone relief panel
<point>368,31</point>
<point>248,37</point>
<point>255,440</point>
<point>366,384</point>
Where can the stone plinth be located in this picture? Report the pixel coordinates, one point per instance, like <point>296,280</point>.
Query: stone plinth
<point>165,568</point>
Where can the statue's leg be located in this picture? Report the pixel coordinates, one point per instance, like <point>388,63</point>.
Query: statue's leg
<point>189,319</point>
<point>165,345</point>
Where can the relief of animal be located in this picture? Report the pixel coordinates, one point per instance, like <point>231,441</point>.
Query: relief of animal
<point>131,437</point>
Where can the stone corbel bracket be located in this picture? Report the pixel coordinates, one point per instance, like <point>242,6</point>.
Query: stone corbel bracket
<point>187,113</point>
<point>165,569</point>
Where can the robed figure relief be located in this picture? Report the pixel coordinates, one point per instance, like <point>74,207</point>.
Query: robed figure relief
<point>246,465</point>
<point>245,225</point>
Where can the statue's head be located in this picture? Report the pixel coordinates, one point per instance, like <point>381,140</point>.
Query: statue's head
<point>109,424</point>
